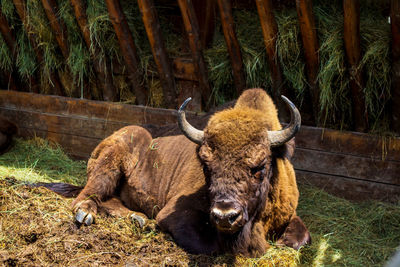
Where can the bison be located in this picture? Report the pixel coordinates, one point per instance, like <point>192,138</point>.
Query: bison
<point>226,189</point>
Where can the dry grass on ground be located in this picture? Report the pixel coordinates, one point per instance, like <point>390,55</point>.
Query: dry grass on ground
<point>37,227</point>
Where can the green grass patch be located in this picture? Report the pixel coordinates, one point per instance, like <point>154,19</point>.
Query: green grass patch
<point>38,160</point>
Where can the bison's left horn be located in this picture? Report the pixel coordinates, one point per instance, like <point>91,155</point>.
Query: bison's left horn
<point>188,130</point>
<point>278,138</point>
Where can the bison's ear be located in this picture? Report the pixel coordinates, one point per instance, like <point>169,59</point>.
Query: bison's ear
<point>206,153</point>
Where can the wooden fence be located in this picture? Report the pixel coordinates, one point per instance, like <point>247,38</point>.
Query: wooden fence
<point>197,34</point>
<point>353,165</point>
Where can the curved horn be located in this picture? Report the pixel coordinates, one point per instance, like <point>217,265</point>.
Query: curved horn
<point>188,130</point>
<point>278,138</point>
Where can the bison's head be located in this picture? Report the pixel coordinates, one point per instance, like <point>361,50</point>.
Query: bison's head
<point>236,150</point>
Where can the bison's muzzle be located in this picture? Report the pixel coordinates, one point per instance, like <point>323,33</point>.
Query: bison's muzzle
<point>227,217</point>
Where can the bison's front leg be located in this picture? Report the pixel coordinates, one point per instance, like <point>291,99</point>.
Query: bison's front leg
<point>115,207</point>
<point>103,176</point>
<point>296,234</point>
<point>105,168</point>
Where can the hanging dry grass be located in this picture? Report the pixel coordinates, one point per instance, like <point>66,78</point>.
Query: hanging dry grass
<point>333,78</point>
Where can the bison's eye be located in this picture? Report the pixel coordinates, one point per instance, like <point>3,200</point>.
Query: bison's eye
<point>258,172</point>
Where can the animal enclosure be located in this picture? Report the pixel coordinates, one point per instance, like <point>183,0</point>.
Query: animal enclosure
<point>73,72</point>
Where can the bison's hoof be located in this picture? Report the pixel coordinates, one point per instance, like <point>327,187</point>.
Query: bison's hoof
<point>84,217</point>
<point>139,219</point>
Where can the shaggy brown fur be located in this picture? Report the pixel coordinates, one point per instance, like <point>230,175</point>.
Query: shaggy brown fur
<point>179,183</point>
<point>7,130</point>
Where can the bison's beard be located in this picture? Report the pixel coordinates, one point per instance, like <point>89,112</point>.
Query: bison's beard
<point>237,242</point>
<point>249,233</point>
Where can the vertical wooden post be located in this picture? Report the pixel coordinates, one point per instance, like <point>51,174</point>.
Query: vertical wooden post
<point>311,47</point>
<point>101,67</point>
<point>192,30</point>
<point>9,39</point>
<point>164,65</point>
<point>81,18</point>
<point>270,32</point>
<point>395,25</point>
<point>57,25</point>
<point>225,10</point>
<point>205,14</point>
<point>128,49</point>
<point>54,79</point>
<point>7,34</point>
<point>353,53</point>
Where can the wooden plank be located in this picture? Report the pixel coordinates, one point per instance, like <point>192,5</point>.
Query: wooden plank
<point>360,168</point>
<point>192,31</point>
<point>351,189</point>
<point>351,35</point>
<point>71,125</point>
<point>349,143</point>
<point>395,26</point>
<point>128,49</point>
<point>270,32</point>
<point>308,31</point>
<point>88,108</point>
<point>153,30</point>
<point>305,159</point>
<point>225,10</point>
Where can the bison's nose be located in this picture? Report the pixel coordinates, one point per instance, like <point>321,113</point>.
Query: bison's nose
<point>226,216</point>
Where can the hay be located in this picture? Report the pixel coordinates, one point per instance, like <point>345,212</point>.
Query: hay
<point>38,160</point>
<point>37,225</point>
<point>333,78</point>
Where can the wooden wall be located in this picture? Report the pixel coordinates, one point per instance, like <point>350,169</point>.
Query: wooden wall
<point>352,165</point>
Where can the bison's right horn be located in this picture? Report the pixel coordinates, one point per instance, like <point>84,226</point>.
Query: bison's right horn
<point>188,130</point>
<point>278,138</point>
